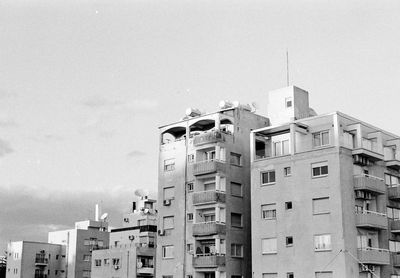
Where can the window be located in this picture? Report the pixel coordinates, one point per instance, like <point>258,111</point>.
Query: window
<point>288,102</point>
<point>324,274</point>
<point>270,275</point>
<point>57,257</point>
<point>269,245</point>
<point>281,147</point>
<point>288,205</point>
<point>189,247</point>
<point>86,258</point>
<point>393,213</point>
<point>190,186</point>
<point>289,275</point>
<point>321,205</point>
<point>168,251</point>
<point>236,250</point>
<point>168,222</point>
<point>289,241</point>
<point>169,193</point>
<point>236,189</point>
<point>106,261</point>
<point>268,177</point>
<point>268,211</point>
<point>190,216</point>
<point>322,242</point>
<point>56,272</point>
<point>319,169</point>
<point>287,171</point>
<point>169,164</point>
<point>394,246</point>
<point>391,180</point>
<point>97,262</point>
<point>190,158</point>
<point>236,159</point>
<point>320,138</point>
<point>236,219</point>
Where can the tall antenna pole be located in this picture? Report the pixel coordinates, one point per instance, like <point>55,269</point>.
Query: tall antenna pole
<point>287,67</point>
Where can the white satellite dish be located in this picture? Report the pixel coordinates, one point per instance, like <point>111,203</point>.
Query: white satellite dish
<point>104,216</point>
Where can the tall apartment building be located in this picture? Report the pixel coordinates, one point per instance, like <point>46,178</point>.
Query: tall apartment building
<point>131,252</point>
<point>325,194</point>
<point>204,194</point>
<point>30,259</point>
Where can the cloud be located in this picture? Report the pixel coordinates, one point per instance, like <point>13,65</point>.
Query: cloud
<point>136,153</point>
<point>5,148</point>
<point>29,213</point>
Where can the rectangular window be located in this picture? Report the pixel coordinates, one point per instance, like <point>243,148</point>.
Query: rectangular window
<point>169,193</point>
<point>288,205</point>
<point>236,159</point>
<point>190,186</point>
<point>168,251</point>
<point>269,245</point>
<point>288,102</point>
<point>236,219</point>
<point>97,262</point>
<point>321,138</point>
<point>190,216</point>
<point>287,171</point>
<point>394,246</point>
<point>236,250</point>
<point>86,258</point>
<point>270,275</point>
<point>168,222</point>
<point>169,164</point>
<point>86,242</point>
<point>268,177</point>
<point>289,241</point>
<point>106,261</point>
<point>189,247</point>
<point>236,189</point>
<point>322,242</point>
<point>324,274</point>
<point>321,205</point>
<point>268,211</point>
<point>290,275</point>
<point>319,169</point>
<point>190,158</point>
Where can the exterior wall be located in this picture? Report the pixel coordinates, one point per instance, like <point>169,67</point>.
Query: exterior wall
<point>182,202</point>
<point>22,260</point>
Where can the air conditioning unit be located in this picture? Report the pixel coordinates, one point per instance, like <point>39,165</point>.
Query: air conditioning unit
<point>131,237</point>
<point>116,267</point>
<point>141,209</point>
<point>146,210</point>
<point>367,268</point>
<point>126,220</point>
<point>167,202</point>
<point>161,232</point>
<point>360,194</point>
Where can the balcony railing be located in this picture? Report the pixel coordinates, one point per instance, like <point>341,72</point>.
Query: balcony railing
<point>208,166</point>
<point>208,228</point>
<point>208,260</point>
<point>371,220</point>
<point>209,137</point>
<point>41,261</point>
<point>370,183</point>
<point>145,270</point>
<point>394,192</point>
<point>376,256</point>
<point>211,196</point>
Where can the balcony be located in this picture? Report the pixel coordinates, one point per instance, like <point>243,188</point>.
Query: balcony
<point>371,220</point>
<point>369,150</point>
<point>395,226</point>
<point>209,261</point>
<point>394,193</point>
<point>145,270</point>
<point>374,256</point>
<point>207,197</point>
<point>208,228</point>
<point>393,164</point>
<point>145,251</point>
<point>208,167</point>
<point>41,261</point>
<point>209,138</point>
<point>370,183</point>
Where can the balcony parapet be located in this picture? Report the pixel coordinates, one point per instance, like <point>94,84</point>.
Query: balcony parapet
<point>41,261</point>
<point>207,197</point>
<point>209,137</point>
<point>370,183</point>
<point>208,166</point>
<point>208,228</point>
<point>208,260</point>
<point>375,256</point>
<point>371,220</point>
<point>394,192</point>
<point>145,270</point>
<point>369,150</point>
<point>395,226</point>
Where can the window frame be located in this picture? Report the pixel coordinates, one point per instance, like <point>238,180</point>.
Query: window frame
<point>241,219</point>
<point>273,211</point>
<point>322,249</point>
<point>320,166</point>
<point>271,251</point>
<point>241,189</point>
<point>169,166</point>
<point>320,139</point>
<point>287,173</point>
<point>164,251</point>
<point>235,247</point>
<point>268,172</point>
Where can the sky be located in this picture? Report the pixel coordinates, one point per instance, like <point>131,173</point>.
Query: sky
<point>84,86</point>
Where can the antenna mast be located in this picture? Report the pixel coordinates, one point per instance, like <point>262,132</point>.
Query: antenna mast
<point>287,67</point>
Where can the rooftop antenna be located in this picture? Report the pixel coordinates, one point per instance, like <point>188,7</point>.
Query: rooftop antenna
<point>287,67</point>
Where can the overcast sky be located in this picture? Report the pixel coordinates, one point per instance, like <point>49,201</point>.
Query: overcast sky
<point>85,84</point>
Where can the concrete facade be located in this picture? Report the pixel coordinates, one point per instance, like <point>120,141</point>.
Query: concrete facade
<point>204,194</point>
<point>131,252</point>
<point>319,198</point>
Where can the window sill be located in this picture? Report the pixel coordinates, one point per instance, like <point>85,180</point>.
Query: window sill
<point>320,176</point>
<point>323,250</point>
<point>268,219</point>
<point>270,253</point>
<point>321,213</point>
<point>169,258</point>
<point>267,184</point>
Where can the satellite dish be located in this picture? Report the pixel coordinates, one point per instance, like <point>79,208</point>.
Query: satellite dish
<point>139,265</point>
<point>104,216</point>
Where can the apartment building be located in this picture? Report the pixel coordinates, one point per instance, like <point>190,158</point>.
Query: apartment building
<point>204,194</point>
<point>325,194</point>
<point>28,259</point>
<point>131,252</point>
